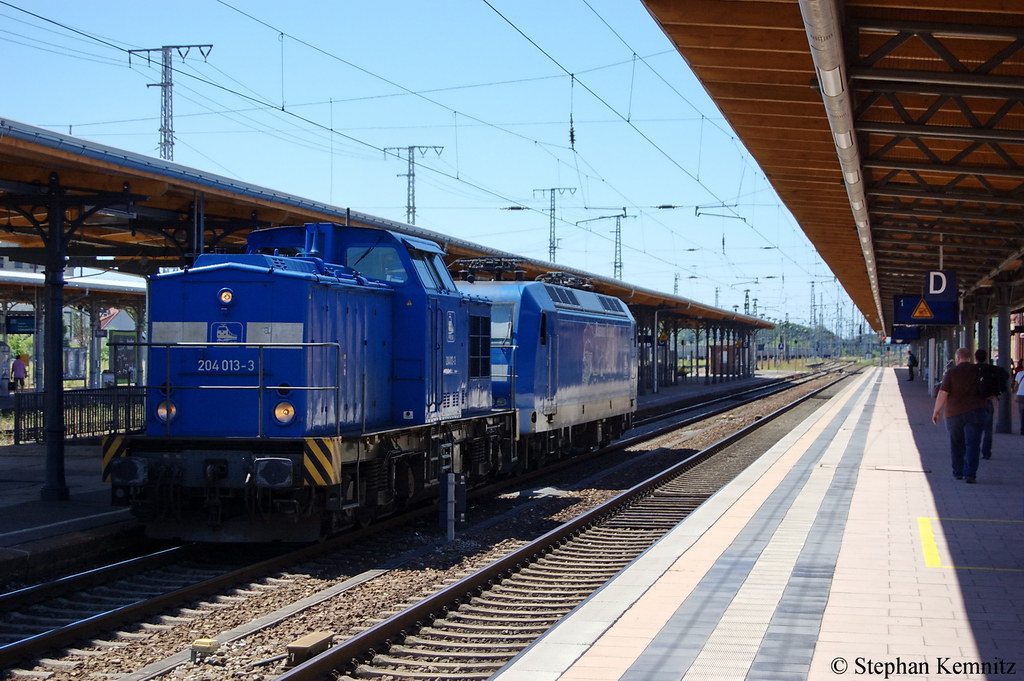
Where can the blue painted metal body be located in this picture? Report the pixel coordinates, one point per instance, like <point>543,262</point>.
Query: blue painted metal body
<point>379,337</point>
<point>567,357</point>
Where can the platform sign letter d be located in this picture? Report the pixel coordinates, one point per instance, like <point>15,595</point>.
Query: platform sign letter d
<point>941,286</point>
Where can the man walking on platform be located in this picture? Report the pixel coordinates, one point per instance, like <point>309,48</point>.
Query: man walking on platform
<point>965,412</point>
<point>911,363</point>
<point>995,377</point>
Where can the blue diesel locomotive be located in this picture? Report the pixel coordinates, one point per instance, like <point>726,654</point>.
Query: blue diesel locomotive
<point>332,374</point>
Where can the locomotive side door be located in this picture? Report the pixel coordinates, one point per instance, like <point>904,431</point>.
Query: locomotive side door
<point>434,375</point>
<point>445,380</point>
<point>549,341</point>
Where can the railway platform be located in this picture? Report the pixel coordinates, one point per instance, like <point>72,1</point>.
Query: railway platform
<point>36,534</point>
<point>847,549</point>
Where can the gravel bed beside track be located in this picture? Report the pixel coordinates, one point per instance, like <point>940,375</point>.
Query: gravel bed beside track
<point>557,501</point>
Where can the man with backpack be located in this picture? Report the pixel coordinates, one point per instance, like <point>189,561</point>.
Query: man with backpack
<point>965,412</point>
<point>991,384</point>
<point>911,363</point>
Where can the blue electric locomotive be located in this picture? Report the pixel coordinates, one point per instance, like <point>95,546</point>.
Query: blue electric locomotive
<point>565,359</point>
<point>332,374</point>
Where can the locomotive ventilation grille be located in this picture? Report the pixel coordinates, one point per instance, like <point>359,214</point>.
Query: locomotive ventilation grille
<point>611,304</point>
<point>562,295</point>
<point>455,399</point>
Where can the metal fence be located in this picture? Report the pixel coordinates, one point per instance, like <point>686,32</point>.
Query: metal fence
<point>87,412</point>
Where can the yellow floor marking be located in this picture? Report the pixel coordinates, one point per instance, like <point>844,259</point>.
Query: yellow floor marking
<point>931,549</point>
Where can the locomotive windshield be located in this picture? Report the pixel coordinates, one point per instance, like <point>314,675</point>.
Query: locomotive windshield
<point>377,261</point>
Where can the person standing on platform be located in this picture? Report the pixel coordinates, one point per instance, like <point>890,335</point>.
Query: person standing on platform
<point>1018,389</point>
<point>18,373</point>
<point>911,363</point>
<point>965,411</point>
<point>996,376</point>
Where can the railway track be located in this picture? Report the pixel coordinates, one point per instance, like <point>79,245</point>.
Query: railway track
<point>472,628</point>
<point>131,591</point>
<point>478,637</point>
<point>731,399</point>
<point>54,614</point>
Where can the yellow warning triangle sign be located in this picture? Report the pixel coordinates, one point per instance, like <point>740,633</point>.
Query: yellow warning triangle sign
<point>922,311</point>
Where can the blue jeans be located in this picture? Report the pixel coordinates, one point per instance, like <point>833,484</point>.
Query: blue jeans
<point>965,440</point>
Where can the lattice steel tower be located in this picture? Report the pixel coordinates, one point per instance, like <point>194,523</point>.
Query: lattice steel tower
<point>166,84</point>
<point>552,241</point>
<point>410,195</point>
<point>617,263</point>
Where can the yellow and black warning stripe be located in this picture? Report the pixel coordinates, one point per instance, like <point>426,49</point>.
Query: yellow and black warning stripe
<point>321,465</point>
<point>114,446</point>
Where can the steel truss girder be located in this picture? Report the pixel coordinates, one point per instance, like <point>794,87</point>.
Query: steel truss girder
<point>879,208</point>
<point>175,228</point>
<point>931,250</point>
<point>913,228</point>
<point>933,28</point>
<point>945,132</point>
<point>922,82</point>
<point>80,250</point>
<point>929,34</point>
<point>874,88</point>
<point>926,262</point>
<point>951,249</point>
<point>907,192</point>
<point>949,168</point>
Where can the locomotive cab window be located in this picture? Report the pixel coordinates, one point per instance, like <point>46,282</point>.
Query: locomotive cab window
<point>442,270</point>
<point>501,324</point>
<point>431,271</point>
<point>377,261</point>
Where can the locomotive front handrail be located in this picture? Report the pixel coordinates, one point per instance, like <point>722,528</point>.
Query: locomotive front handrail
<point>260,386</point>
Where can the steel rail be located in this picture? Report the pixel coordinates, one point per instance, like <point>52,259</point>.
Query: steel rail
<point>348,654</point>
<point>84,580</point>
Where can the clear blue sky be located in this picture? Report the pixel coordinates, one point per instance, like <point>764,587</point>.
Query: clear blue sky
<point>305,97</point>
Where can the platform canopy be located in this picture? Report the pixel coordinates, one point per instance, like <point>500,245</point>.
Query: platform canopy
<point>892,130</point>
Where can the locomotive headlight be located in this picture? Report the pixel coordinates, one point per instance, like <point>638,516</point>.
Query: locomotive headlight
<point>284,412</point>
<point>166,411</point>
<point>225,296</point>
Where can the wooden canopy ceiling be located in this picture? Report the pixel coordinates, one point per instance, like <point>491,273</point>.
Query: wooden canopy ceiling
<point>936,87</point>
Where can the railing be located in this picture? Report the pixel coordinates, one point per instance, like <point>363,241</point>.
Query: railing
<point>87,412</point>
